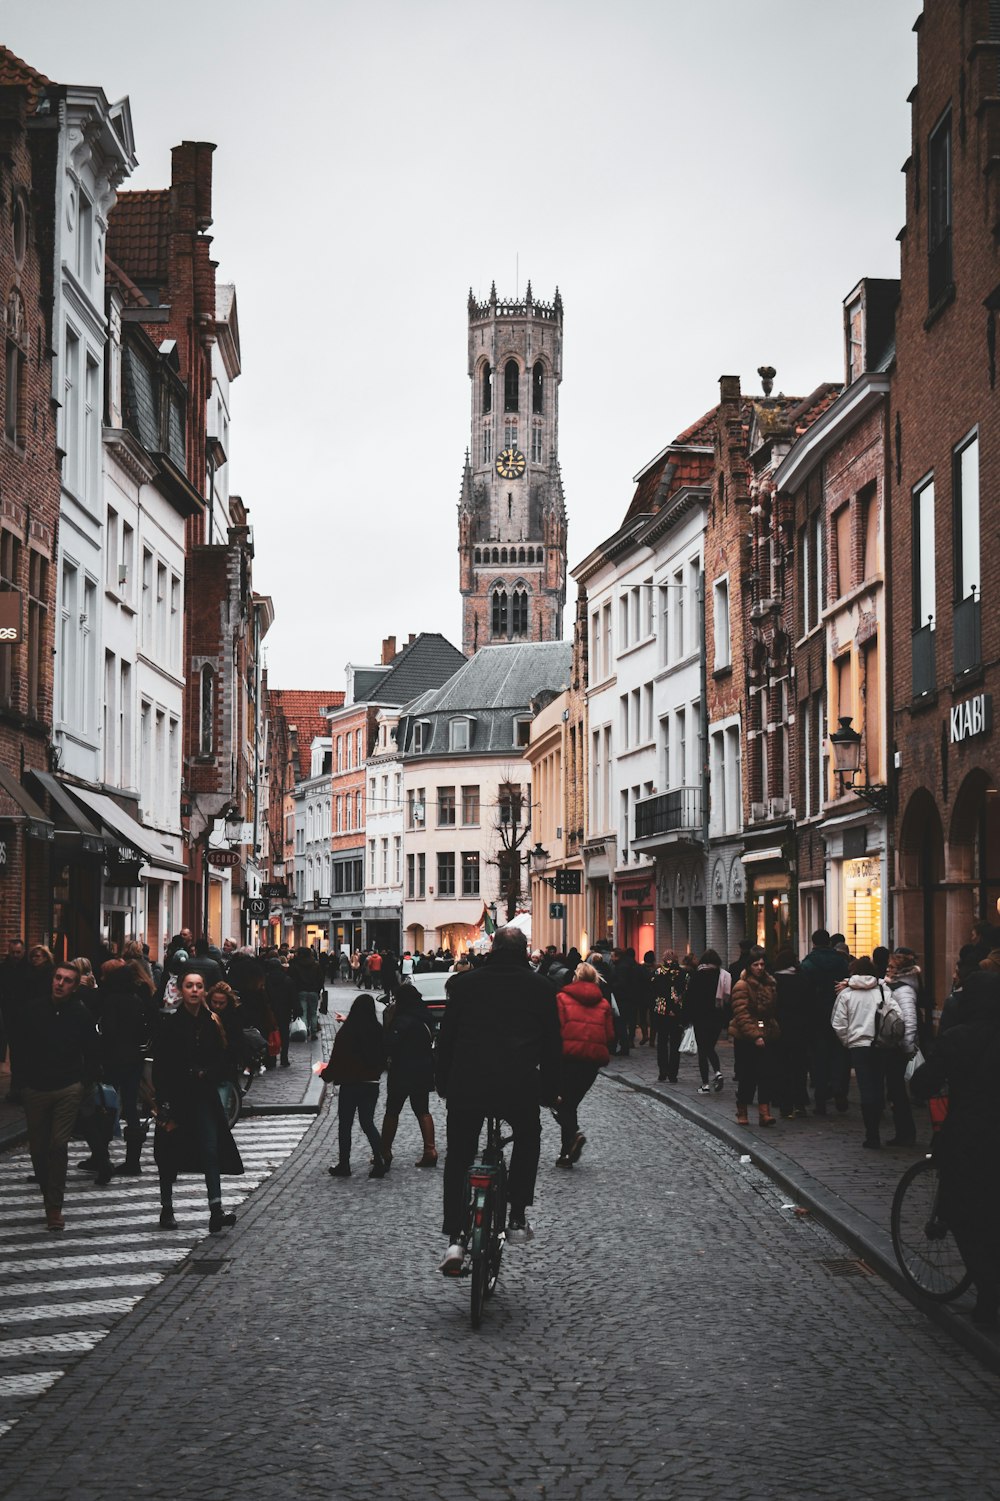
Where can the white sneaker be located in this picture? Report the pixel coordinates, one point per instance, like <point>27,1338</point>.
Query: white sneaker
<point>451,1266</point>
<point>717,1083</point>
<point>704,1089</point>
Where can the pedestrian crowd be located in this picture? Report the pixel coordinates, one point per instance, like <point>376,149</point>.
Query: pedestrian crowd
<point>518,1033</point>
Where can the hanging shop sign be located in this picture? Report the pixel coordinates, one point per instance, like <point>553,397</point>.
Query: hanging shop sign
<point>122,864</point>
<point>256,907</point>
<point>974,716</point>
<point>10,617</point>
<point>224,859</point>
<point>274,888</point>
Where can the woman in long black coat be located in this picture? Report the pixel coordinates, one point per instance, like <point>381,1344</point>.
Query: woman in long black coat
<point>409,1039</point>
<point>967,1148</point>
<point>192,1134</point>
<point>357,1063</point>
<point>793,1004</point>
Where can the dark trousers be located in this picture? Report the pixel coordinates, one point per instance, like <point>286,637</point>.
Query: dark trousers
<point>575,1078</point>
<point>50,1115</point>
<point>360,1100</point>
<point>894,1063</point>
<point>668,1048</point>
<point>706,1035</point>
<point>791,1084</point>
<point>464,1127</point>
<point>754,1072</point>
<point>829,1065</point>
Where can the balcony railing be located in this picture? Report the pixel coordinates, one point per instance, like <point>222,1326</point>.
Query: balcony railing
<point>923,661</point>
<point>968,634</point>
<point>676,812</point>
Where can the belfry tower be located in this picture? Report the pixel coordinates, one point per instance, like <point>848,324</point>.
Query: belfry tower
<point>511,515</point>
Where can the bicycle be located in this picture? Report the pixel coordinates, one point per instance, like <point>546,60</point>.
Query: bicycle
<point>486,1217</point>
<point>925,1248</point>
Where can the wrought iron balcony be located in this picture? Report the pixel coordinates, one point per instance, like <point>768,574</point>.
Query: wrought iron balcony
<point>674,814</point>
<point>968,634</point>
<point>923,661</point>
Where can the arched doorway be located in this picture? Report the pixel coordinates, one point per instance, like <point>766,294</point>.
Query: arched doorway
<point>921,908</point>
<point>974,850</point>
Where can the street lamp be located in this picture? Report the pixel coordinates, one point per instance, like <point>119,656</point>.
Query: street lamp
<point>233,820</point>
<point>539,858</point>
<point>846,746</point>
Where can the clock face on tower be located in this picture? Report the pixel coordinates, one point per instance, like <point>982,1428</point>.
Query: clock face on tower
<point>511,463</point>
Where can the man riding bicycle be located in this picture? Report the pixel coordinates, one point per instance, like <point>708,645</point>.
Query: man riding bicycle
<point>498,1053</point>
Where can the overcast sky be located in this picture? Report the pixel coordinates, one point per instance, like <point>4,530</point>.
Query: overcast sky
<point>705,184</point>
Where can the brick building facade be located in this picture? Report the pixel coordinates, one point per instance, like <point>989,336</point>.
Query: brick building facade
<point>29,516</point>
<point>945,472</point>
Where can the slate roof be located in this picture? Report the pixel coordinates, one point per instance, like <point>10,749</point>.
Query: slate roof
<point>493,689</point>
<point>303,709</point>
<point>424,663</point>
<point>139,235</point>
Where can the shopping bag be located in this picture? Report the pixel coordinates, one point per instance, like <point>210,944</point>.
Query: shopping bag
<point>688,1044</point>
<point>297,1030</point>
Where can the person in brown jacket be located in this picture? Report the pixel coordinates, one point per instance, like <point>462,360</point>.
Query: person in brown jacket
<point>754,1030</point>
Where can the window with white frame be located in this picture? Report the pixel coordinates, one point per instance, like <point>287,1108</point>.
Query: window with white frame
<point>458,734</point>
<point>720,613</point>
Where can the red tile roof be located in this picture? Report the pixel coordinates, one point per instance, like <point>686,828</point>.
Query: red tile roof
<point>115,276</point>
<point>303,709</point>
<point>677,468</point>
<point>139,235</point>
<point>13,70</point>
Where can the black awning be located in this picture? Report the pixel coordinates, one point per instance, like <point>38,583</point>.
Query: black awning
<point>73,823</point>
<point>18,806</point>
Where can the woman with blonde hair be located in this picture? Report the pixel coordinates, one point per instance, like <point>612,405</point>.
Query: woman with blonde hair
<point>588,1033</point>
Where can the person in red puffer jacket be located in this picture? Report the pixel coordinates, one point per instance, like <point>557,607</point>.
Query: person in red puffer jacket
<point>588,1031</point>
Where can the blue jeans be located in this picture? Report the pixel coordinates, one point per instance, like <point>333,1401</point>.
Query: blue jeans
<point>359,1099</point>
<point>309,1006</point>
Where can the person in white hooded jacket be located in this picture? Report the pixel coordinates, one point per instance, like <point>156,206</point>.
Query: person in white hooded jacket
<point>903,980</point>
<point>853,1020</point>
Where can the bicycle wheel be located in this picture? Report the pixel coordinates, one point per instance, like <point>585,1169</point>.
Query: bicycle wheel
<point>497,1233</point>
<point>232,1102</point>
<point>480,1253</point>
<point>925,1248</point>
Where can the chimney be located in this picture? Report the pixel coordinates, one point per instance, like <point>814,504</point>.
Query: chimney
<point>411,638</point>
<point>388,650</point>
<point>729,388</point>
<point>191,180</point>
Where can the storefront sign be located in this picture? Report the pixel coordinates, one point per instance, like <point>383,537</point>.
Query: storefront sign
<point>123,862</point>
<point>274,888</point>
<point>973,717</point>
<point>256,907</point>
<point>636,896</point>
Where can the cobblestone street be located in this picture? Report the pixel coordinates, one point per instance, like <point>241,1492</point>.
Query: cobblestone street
<point>674,1329</point>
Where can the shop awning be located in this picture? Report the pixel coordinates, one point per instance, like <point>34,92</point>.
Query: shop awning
<point>18,806</point>
<point>71,822</point>
<point>124,827</point>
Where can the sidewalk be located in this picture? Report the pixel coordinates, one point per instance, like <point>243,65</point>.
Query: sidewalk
<point>822,1166</point>
<point>295,1090</point>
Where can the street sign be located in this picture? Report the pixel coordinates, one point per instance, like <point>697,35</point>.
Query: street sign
<point>568,882</point>
<point>557,909</point>
<point>224,859</point>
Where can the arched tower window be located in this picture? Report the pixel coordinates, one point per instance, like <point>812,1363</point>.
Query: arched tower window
<point>503,554</point>
<point>496,555</point>
<point>511,384</point>
<point>537,389</point>
<point>206,739</point>
<point>498,623</point>
<point>487,388</point>
<point>519,613</point>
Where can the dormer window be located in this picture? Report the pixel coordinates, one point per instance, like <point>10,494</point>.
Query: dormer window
<point>459,734</point>
<point>421,736</point>
<point>522,731</point>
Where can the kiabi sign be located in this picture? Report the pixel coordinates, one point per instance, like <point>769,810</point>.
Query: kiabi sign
<point>972,717</point>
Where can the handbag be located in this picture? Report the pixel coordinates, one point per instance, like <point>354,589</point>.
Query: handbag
<point>688,1044</point>
<point>274,1042</point>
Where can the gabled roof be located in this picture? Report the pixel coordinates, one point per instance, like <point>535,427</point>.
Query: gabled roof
<point>304,709</point>
<point>424,663</point>
<point>116,277</point>
<point>684,463</point>
<point>139,235</point>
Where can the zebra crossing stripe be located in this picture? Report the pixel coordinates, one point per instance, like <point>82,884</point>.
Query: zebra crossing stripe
<point>31,1385</point>
<point>83,1284</point>
<point>101,1307</point>
<point>74,1341</point>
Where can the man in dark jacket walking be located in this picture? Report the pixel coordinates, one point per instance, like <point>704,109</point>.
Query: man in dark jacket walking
<point>57,1050</point>
<point>499,1052</point>
<point>829,1064</point>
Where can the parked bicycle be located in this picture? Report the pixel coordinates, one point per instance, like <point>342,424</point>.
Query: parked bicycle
<point>925,1248</point>
<point>235,1092</point>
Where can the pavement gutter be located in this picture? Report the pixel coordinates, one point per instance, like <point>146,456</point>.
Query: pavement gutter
<point>872,1244</point>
